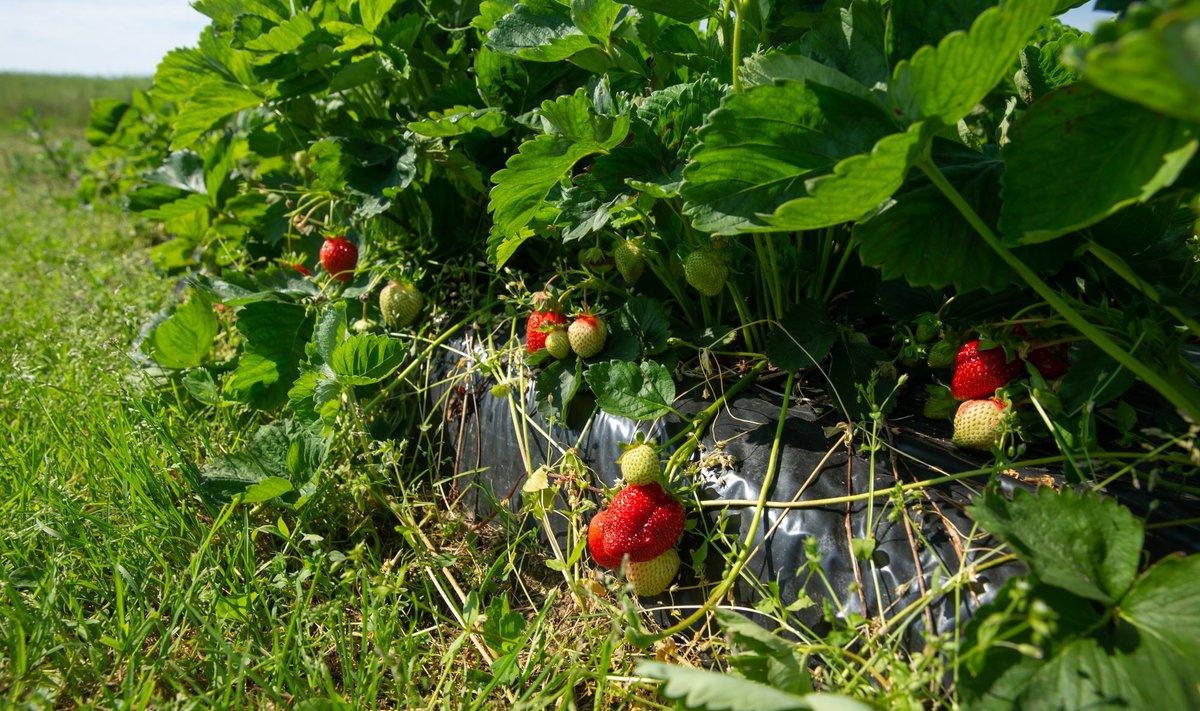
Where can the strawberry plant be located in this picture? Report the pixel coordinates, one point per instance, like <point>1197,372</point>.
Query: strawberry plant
<point>849,197</point>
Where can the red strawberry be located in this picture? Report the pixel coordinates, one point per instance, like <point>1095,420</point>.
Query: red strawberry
<point>642,522</point>
<point>539,324</point>
<point>596,542</point>
<point>339,257</point>
<point>978,373</point>
<point>1050,361</point>
<point>587,335</point>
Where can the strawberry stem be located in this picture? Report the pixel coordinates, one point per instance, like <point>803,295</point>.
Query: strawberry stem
<point>748,544</point>
<point>1188,403</point>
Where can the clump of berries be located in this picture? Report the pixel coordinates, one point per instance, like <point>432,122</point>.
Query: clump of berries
<point>545,318</point>
<point>642,524</point>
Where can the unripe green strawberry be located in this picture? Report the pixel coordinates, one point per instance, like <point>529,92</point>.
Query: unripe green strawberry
<point>400,303</point>
<point>941,354</point>
<point>630,260</point>
<point>364,325</point>
<point>978,424</point>
<point>639,464</point>
<point>705,271</point>
<point>587,334</point>
<point>594,259</point>
<point>558,343</point>
<point>655,575</point>
<point>927,327</point>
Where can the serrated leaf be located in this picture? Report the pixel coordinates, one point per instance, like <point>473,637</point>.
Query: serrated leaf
<point>682,10</point>
<point>698,688</point>
<point>461,120</point>
<point>184,339</point>
<point>1085,543</point>
<point>1156,67</point>
<point>919,223</point>
<point>106,115</point>
<point>209,105</point>
<point>760,69</point>
<point>522,186</point>
<point>274,334</point>
<point>200,384</point>
<point>374,12</point>
<point>538,31</point>
<point>803,338</point>
<point>1143,657</point>
<point>945,82</point>
<point>1143,153</point>
<point>648,321</point>
<point>916,23</point>
<point>764,147</point>
<point>366,359</point>
<point>264,462</point>
<point>851,37</point>
<point>627,390</point>
<point>856,186</point>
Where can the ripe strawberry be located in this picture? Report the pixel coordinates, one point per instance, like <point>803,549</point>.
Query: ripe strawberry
<point>643,521</point>
<point>339,257</point>
<point>705,271</point>
<point>400,303</point>
<point>631,262</point>
<point>540,323</point>
<point>558,343</point>
<point>596,542</point>
<point>587,334</point>
<point>977,424</point>
<point>978,373</point>
<point>655,575</point>
<point>1050,361</point>
<point>639,464</point>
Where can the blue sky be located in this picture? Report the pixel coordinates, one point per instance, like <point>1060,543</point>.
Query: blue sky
<point>128,37</point>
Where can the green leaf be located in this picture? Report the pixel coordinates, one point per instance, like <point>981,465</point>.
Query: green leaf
<point>648,321</point>
<point>105,117</point>
<point>556,386</point>
<point>919,222</point>
<point>522,186</point>
<point>274,335</point>
<point>184,339</point>
<point>1143,153</point>
<point>374,11</point>
<point>764,147</point>
<point>1042,68</point>
<point>761,656</point>
<point>200,384</point>
<point>209,105</point>
<point>595,17</point>
<point>916,23</point>
<point>538,31</point>
<point>261,469</point>
<point>1085,543</point>
<point>362,360</point>
<point>761,69</point>
<point>850,37</point>
<point>1156,67</point>
<point>330,331</point>
<point>803,338</point>
<point>266,489</point>
<point>947,81</point>
<point>687,11</point>
<point>1143,657</point>
<point>857,185</point>
<point>698,688</point>
<point>181,170</point>
<point>627,390</point>
<point>461,120</point>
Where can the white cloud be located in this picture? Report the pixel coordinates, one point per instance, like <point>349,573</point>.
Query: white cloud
<point>111,37</point>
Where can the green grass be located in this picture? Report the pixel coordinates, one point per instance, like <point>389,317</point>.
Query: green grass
<point>121,587</point>
<point>64,102</point>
